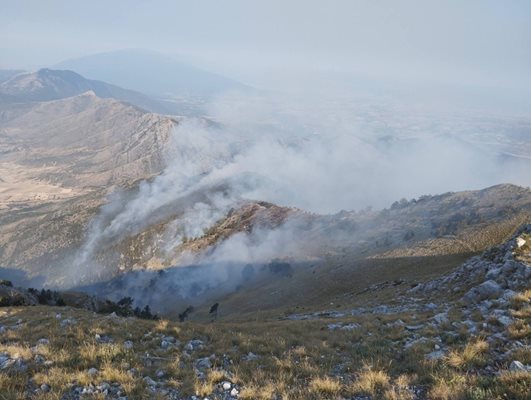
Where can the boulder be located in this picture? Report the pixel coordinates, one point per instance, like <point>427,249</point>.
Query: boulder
<point>487,290</point>
<point>148,381</point>
<point>517,366</point>
<point>203,363</point>
<point>508,294</point>
<point>441,318</point>
<point>195,344</point>
<point>435,355</point>
<point>347,327</point>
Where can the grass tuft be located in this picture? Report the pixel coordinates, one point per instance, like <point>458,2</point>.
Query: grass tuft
<point>472,355</point>
<point>325,386</point>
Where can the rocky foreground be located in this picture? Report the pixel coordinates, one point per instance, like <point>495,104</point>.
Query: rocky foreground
<point>462,336</point>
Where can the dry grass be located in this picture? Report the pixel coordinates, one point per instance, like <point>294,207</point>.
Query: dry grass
<point>514,385</point>
<point>521,299</point>
<point>472,355</point>
<point>205,387</point>
<point>297,359</point>
<point>519,329</point>
<point>449,389</point>
<point>523,313</point>
<point>18,351</point>
<point>325,386</point>
<point>264,391</point>
<point>378,384</point>
<point>522,354</point>
<point>371,382</point>
<point>397,394</point>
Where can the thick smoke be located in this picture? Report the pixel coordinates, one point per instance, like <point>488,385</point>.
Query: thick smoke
<point>321,156</point>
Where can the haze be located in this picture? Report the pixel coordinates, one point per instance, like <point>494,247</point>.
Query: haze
<point>270,44</point>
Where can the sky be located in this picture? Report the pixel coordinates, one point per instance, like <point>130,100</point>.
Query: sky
<point>477,42</point>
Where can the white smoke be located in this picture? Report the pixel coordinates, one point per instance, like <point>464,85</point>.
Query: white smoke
<point>318,156</point>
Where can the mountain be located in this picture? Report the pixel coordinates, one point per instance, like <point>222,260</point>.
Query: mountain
<point>48,84</point>
<point>416,328</point>
<point>6,74</point>
<point>153,73</point>
<point>427,299</point>
<point>448,227</point>
<point>83,140</point>
<point>58,161</point>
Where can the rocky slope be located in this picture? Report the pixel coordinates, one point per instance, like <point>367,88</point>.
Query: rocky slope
<point>83,141</point>
<point>428,226</point>
<point>58,161</point>
<point>402,303</point>
<point>260,248</point>
<point>464,335</point>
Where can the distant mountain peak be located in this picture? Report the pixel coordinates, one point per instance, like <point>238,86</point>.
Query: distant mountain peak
<point>45,84</point>
<point>153,73</point>
<point>53,84</point>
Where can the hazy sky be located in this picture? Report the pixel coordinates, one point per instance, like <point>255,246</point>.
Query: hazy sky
<point>474,41</point>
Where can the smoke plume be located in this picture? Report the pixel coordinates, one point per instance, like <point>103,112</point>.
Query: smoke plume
<point>320,156</point>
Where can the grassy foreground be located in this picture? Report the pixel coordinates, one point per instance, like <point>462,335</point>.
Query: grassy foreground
<point>261,360</point>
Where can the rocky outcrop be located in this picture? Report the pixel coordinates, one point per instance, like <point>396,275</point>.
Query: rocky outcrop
<point>494,275</point>
<point>486,291</point>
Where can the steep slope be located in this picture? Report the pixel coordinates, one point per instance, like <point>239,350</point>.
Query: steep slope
<point>304,259</point>
<point>84,140</point>
<point>59,159</point>
<point>428,342</point>
<point>47,84</point>
<point>431,225</point>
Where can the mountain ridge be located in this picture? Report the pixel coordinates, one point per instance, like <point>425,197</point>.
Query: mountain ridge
<point>153,73</point>
<point>47,84</point>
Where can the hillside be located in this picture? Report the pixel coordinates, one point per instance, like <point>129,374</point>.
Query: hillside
<point>424,342</point>
<point>6,74</point>
<point>48,84</point>
<point>409,302</point>
<point>58,161</point>
<point>239,261</point>
<point>114,209</point>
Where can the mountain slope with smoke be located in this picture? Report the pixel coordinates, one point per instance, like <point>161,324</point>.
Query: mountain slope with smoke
<point>58,159</point>
<point>307,163</point>
<point>320,162</point>
<point>304,159</point>
<point>260,243</point>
